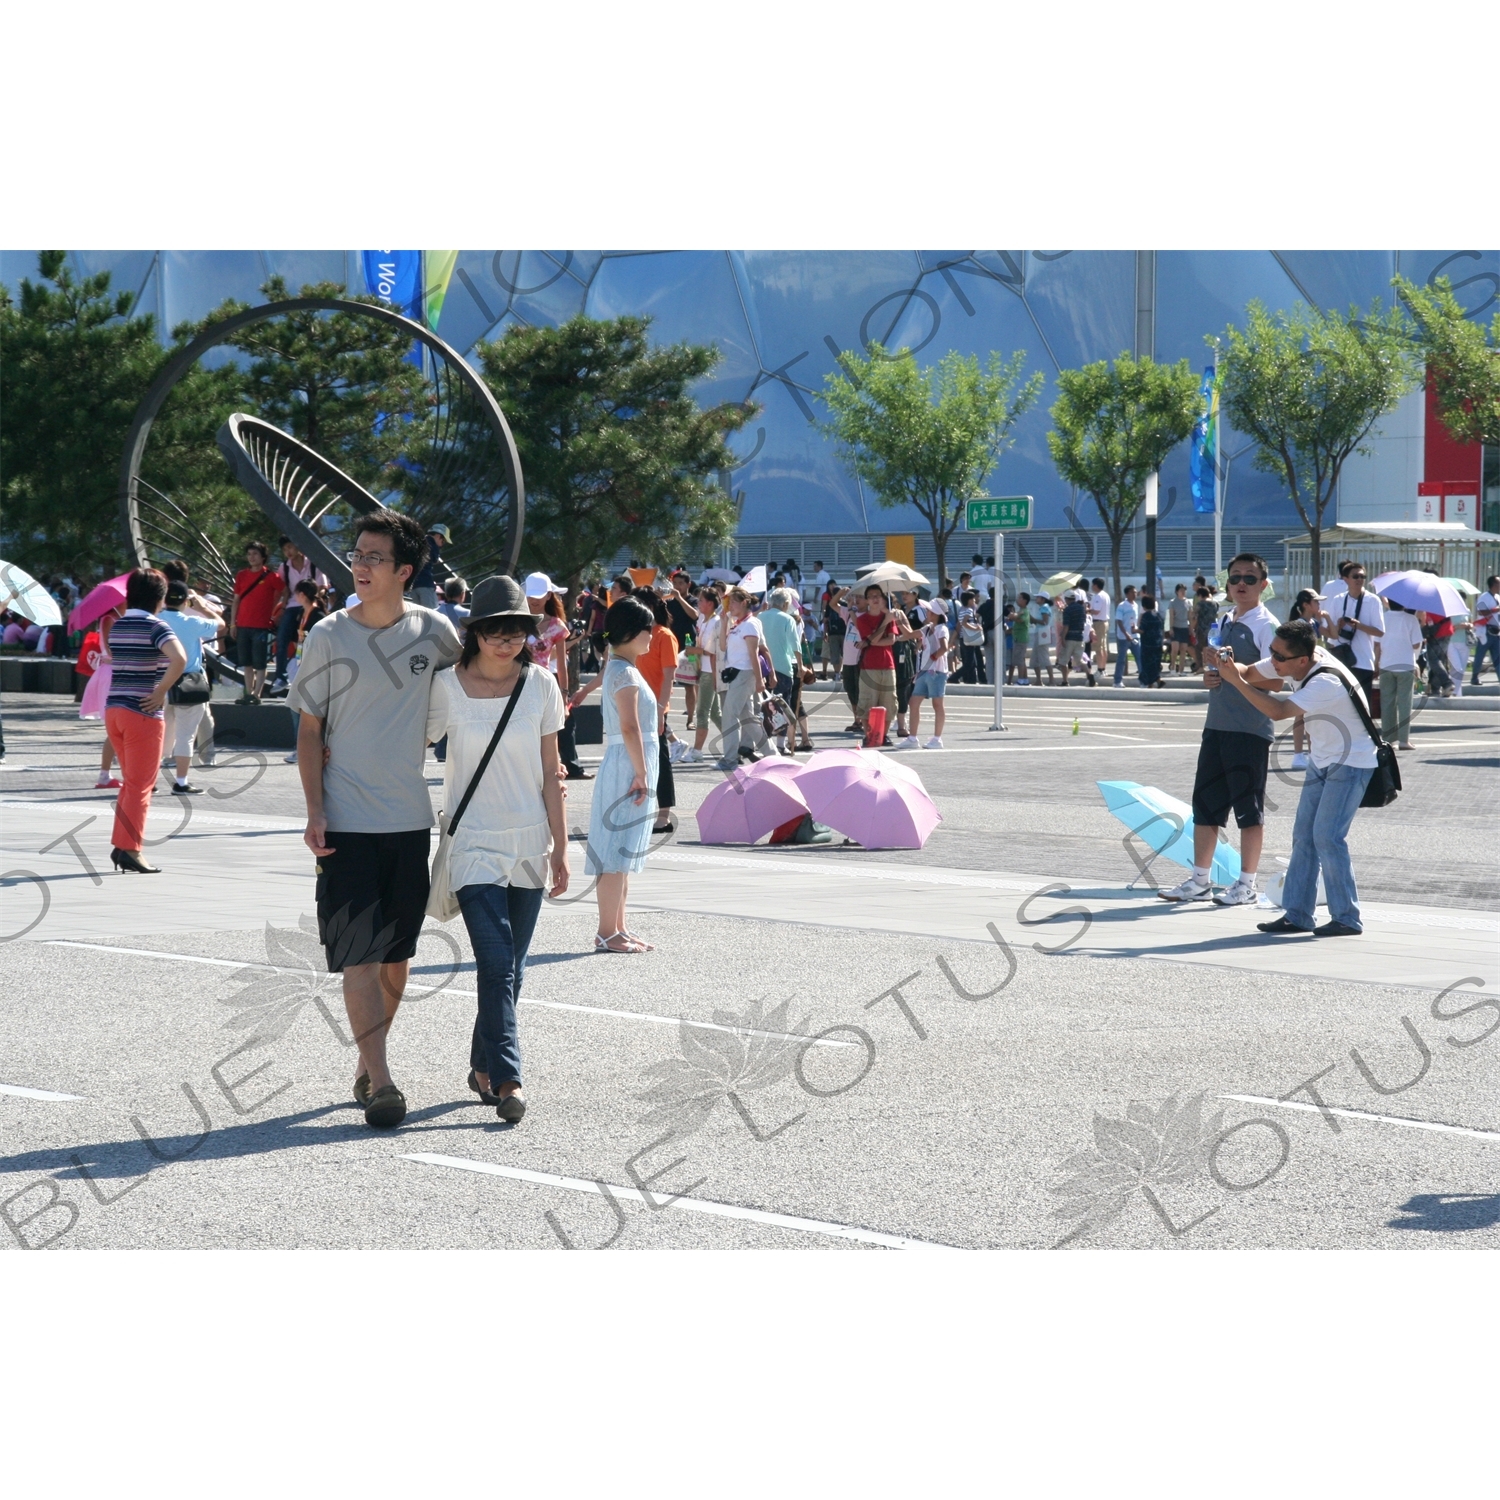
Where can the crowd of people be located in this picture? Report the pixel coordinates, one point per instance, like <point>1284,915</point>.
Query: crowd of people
<point>742,647</point>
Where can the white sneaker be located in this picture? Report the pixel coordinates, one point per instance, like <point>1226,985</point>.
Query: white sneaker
<point>676,752</point>
<point>1241,893</point>
<point>911,742</point>
<point>934,743</point>
<point>1299,760</point>
<point>691,757</point>
<point>291,759</point>
<point>1191,889</point>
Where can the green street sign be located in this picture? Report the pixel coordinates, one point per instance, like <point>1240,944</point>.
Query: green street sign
<point>998,513</point>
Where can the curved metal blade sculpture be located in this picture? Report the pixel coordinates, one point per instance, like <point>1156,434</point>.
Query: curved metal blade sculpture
<point>461,465</point>
<point>295,486</point>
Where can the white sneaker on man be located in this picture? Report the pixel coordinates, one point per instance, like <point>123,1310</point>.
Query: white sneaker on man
<point>1193,888</point>
<point>910,742</point>
<point>1241,893</point>
<point>691,757</point>
<point>934,743</point>
<point>1299,760</point>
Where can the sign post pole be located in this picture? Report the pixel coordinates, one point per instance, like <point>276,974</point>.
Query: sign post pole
<point>998,514</point>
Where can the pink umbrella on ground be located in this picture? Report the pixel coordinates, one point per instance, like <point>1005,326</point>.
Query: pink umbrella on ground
<point>869,805</point>
<point>744,808</point>
<point>98,601</point>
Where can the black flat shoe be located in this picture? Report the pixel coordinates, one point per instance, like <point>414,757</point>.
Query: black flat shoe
<point>386,1109</point>
<point>511,1107</point>
<point>1337,929</point>
<point>485,1096</point>
<point>1280,927</point>
<point>125,859</point>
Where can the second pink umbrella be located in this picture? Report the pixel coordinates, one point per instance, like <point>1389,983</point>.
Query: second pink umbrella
<point>869,805</point>
<point>744,808</point>
<point>98,601</point>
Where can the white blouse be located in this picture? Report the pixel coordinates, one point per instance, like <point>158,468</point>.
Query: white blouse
<point>504,838</point>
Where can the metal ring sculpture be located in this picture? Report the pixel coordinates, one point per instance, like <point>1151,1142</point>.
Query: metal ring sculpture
<point>470,476</point>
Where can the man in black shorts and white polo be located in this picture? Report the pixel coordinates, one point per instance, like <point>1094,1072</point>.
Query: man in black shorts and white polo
<point>362,691</point>
<point>1236,744</point>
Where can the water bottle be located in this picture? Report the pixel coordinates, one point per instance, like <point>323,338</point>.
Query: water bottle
<point>1215,640</point>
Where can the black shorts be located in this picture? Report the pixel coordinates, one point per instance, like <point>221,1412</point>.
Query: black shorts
<point>251,646</point>
<point>1181,635</point>
<point>1231,774</point>
<point>372,896</point>
<point>851,685</point>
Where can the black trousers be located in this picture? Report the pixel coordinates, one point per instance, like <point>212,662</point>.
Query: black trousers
<point>567,749</point>
<point>666,788</point>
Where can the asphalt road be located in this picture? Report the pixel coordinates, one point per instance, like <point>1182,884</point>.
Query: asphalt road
<point>161,1086</point>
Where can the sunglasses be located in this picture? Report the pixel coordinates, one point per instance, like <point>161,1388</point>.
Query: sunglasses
<point>1249,579</point>
<point>1277,656</point>
<point>1358,577</point>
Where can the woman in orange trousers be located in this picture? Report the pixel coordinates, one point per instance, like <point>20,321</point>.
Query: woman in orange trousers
<point>147,659</point>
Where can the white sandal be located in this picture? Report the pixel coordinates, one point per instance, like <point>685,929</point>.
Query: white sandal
<point>601,944</point>
<point>642,945</point>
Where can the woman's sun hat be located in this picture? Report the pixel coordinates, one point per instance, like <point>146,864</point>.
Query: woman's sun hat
<point>538,586</point>
<point>499,597</point>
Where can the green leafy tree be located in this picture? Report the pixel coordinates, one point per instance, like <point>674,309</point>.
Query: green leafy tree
<point>926,437</point>
<point>1307,387</point>
<point>74,365</point>
<point>344,385</point>
<point>615,452</point>
<point>1114,424</point>
<point>1463,359</point>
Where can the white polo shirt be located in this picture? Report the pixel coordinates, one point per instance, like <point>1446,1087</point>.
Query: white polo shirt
<point>1335,733</point>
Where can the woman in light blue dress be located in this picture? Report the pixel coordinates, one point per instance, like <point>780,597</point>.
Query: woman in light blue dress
<point>624,802</point>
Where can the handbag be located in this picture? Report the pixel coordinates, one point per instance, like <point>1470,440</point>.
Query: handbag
<point>190,688</point>
<point>1384,785</point>
<point>442,899</point>
<point>1343,650</point>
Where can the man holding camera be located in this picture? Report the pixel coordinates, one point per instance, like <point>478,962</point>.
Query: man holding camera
<point>1235,752</point>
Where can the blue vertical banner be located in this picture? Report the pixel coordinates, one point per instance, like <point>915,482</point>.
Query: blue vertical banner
<point>396,275</point>
<point>1205,445</point>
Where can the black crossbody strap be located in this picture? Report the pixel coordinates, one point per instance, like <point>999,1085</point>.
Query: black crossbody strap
<point>479,770</point>
<point>1357,699</point>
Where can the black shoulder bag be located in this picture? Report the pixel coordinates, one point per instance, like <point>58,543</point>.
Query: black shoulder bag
<point>1384,785</point>
<point>1344,649</point>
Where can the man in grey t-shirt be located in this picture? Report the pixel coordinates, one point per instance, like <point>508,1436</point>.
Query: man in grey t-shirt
<point>1180,627</point>
<point>362,692</point>
<point>1232,759</point>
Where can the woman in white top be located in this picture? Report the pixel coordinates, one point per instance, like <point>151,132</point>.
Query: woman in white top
<point>512,843</point>
<point>739,643</point>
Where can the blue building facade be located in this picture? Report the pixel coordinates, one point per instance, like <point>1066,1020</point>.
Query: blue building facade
<point>780,319</point>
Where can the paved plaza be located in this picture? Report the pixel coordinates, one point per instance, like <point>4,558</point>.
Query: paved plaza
<point>991,1042</point>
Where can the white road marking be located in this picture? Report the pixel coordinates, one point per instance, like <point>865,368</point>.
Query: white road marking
<point>20,1093</point>
<point>692,1205</point>
<point>1359,1114</point>
<point>1133,737</point>
<point>428,989</point>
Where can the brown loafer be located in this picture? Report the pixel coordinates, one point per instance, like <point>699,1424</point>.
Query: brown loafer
<point>386,1109</point>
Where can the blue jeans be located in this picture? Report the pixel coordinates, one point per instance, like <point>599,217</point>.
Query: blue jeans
<point>1124,646</point>
<point>1330,798</point>
<point>1487,643</point>
<point>500,919</point>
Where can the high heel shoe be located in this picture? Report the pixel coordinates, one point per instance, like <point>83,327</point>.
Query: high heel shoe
<point>126,859</point>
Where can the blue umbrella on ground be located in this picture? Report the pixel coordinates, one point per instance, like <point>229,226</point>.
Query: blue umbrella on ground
<point>1165,825</point>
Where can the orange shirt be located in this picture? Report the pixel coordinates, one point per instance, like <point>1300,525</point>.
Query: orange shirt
<point>642,577</point>
<point>658,663</point>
